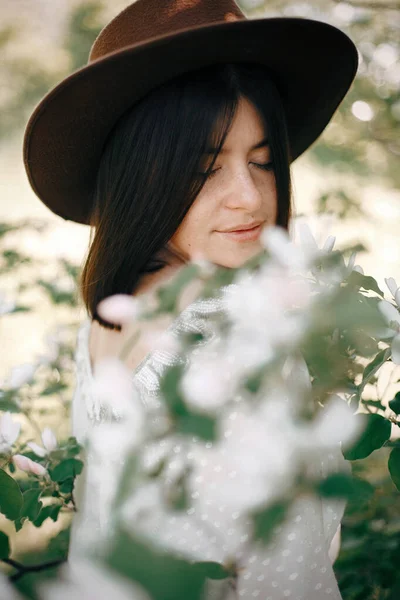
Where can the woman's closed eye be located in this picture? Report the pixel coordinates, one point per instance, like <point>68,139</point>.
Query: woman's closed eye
<point>265,167</point>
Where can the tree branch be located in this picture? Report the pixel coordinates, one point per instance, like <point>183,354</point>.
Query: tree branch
<point>22,569</point>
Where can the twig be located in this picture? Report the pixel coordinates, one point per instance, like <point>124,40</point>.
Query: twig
<point>23,570</point>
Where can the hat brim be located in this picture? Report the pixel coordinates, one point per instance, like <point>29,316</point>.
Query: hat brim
<point>314,62</point>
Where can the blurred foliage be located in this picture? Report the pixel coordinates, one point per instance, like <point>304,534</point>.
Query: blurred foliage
<point>83,26</point>
<point>366,568</point>
<point>25,81</point>
<point>43,399</point>
<point>369,149</point>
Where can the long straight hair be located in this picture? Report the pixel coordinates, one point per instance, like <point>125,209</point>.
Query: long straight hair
<point>148,176</point>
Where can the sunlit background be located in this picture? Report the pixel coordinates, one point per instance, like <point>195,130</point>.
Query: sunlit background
<point>346,185</point>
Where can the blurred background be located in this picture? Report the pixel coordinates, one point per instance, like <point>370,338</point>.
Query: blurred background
<point>346,185</point>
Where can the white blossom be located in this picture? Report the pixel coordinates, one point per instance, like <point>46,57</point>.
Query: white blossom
<point>329,244</point>
<point>270,307</point>
<point>234,471</point>
<point>207,383</point>
<point>394,289</point>
<point>335,423</point>
<point>9,432</point>
<point>85,580</point>
<point>29,466</point>
<point>119,308</point>
<point>277,241</point>
<point>49,441</point>
<point>113,389</point>
<point>392,285</point>
<point>391,314</point>
<point>20,375</point>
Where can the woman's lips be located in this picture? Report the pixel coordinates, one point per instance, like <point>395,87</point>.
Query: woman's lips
<point>244,236</point>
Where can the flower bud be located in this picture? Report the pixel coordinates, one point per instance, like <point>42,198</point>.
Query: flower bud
<point>29,466</point>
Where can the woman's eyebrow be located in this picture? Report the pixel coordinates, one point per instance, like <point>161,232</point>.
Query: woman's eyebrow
<point>259,145</point>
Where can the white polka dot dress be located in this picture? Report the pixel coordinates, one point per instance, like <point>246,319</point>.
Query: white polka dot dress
<point>295,565</point>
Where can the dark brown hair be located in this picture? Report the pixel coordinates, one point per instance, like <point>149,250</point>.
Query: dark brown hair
<point>148,176</point>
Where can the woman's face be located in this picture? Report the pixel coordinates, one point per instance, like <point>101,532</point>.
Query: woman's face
<point>238,193</point>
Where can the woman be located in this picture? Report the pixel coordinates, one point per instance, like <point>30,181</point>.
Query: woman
<point>182,126</point>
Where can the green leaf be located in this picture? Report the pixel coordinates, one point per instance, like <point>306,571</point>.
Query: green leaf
<point>11,499</point>
<point>169,388</point>
<point>32,505</point>
<point>4,546</point>
<point>8,401</point>
<point>366,282</point>
<point>50,511</point>
<point>375,433</point>
<point>19,523</point>
<point>395,404</point>
<point>340,485</point>
<point>163,575</point>
<point>253,382</point>
<point>67,486</point>
<point>373,366</point>
<point>73,451</point>
<point>70,467</point>
<point>198,425</point>
<point>265,520</point>
<point>394,466</point>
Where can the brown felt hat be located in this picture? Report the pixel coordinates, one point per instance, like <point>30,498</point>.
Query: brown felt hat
<point>152,41</point>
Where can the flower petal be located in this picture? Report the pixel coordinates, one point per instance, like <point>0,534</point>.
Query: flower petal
<point>397,297</point>
<point>119,308</point>
<point>352,260</point>
<point>29,466</point>
<point>389,311</point>
<point>21,374</point>
<point>9,429</point>
<point>276,240</point>
<point>21,462</point>
<point>329,244</point>
<point>308,241</point>
<point>336,423</point>
<point>112,388</point>
<point>396,350</point>
<point>49,439</point>
<point>392,285</point>
<point>37,449</point>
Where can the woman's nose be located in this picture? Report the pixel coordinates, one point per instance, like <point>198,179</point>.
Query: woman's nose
<point>244,192</point>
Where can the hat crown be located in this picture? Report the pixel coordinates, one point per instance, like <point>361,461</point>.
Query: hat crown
<point>145,20</point>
